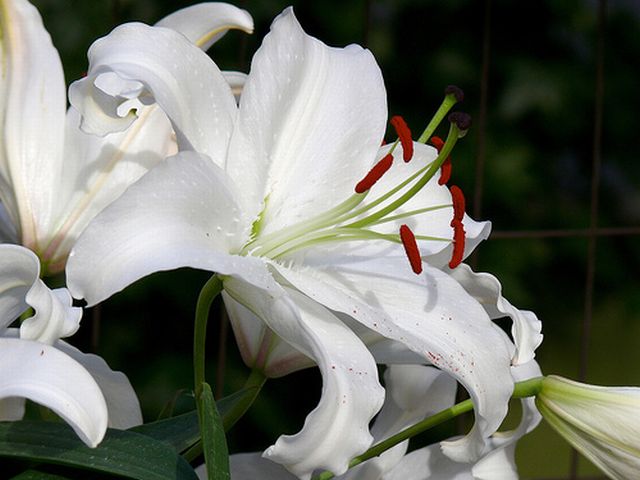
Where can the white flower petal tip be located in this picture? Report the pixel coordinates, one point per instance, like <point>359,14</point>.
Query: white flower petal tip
<point>486,289</point>
<point>603,423</point>
<point>47,376</point>
<point>205,23</point>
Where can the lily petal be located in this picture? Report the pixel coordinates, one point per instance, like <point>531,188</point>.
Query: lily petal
<point>432,315</point>
<point>183,213</point>
<point>337,430</point>
<point>260,347</point>
<point>414,392</point>
<point>33,111</point>
<point>47,376</point>
<point>205,23</point>
<point>132,62</point>
<point>487,290</point>
<point>311,120</point>
<point>19,270</point>
<point>122,403</point>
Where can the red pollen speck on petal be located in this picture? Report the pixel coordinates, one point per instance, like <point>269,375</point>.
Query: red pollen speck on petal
<point>378,170</point>
<point>458,243</point>
<point>457,198</point>
<point>404,134</point>
<point>411,249</point>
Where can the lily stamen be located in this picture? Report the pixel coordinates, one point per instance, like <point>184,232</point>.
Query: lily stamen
<point>458,227</point>
<point>378,170</point>
<point>404,135</point>
<point>445,170</point>
<point>411,249</point>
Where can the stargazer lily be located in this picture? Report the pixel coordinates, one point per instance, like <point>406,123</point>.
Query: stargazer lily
<point>290,200</point>
<point>54,178</point>
<point>38,366</point>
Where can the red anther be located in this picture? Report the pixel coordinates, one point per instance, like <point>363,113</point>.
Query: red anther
<point>457,197</point>
<point>437,142</point>
<point>458,243</point>
<point>445,169</point>
<point>383,143</point>
<point>378,170</point>
<point>404,134</point>
<point>411,249</point>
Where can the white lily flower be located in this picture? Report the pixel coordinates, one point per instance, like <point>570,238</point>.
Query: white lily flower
<point>37,365</point>
<point>414,392</point>
<point>263,194</point>
<point>53,178</point>
<point>602,423</point>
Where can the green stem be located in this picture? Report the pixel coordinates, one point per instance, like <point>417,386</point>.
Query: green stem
<point>528,388</point>
<point>207,295</point>
<point>448,102</point>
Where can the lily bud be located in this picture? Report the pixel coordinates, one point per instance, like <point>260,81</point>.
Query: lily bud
<point>603,423</point>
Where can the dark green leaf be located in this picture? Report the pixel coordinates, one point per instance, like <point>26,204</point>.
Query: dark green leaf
<point>214,442</point>
<point>123,453</point>
<point>182,431</point>
<point>37,475</point>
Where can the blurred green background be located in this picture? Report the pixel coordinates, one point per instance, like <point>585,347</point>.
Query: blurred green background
<point>538,150</point>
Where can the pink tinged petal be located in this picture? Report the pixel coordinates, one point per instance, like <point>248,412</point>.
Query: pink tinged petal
<point>155,64</point>
<point>259,346</point>
<point>310,123</point>
<point>33,110</point>
<point>47,376</point>
<point>432,315</point>
<point>122,403</point>
<point>487,290</point>
<point>414,392</point>
<point>206,23</point>
<point>337,430</point>
<point>183,213</point>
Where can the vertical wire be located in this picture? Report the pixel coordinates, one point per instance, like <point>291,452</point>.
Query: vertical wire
<point>585,332</point>
<point>478,189</point>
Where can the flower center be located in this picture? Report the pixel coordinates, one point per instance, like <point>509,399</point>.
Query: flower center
<point>356,220</point>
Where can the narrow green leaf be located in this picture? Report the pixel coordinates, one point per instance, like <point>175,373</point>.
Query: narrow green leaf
<point>123,453</point>
<point>183,431</point>
<point>214,442</point>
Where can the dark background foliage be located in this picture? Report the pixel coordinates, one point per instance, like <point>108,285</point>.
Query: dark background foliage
<point>536,148</point>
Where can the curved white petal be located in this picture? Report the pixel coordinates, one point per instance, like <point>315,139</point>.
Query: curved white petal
<point>98,169</point>
<point>19,270</point>
<point>54,314</point>
<point>310,123</point>
<point>414,392</point>
<point>33,107</point>
<point>429,463</point>
<point>250,466</point>
<point>236,81</point>
<point>432,315</point>
<point>158,64</point>
<point>205,23</point>
<point>122,403</point>
<point>486,289</point>
<point>183,213</point>
<point>337,430</point>
<point>47,376</point>
<point>259,346</point>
